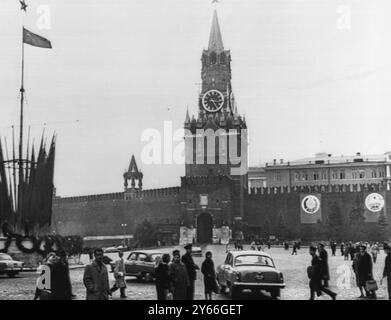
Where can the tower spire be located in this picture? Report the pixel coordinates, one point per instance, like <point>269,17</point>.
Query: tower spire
<point>215,39</point>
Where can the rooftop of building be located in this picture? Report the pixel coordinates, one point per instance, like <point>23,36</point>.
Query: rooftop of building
<point>323,158</point>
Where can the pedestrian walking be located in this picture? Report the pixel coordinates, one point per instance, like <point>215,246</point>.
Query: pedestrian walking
<point>374,252</point>
<point>179,277</point>
<point>364,271</point>
<point>342,248</point>
<point>315,274</point>
<point>208,270</point>
<point>353,250</point>
<point>269,245</point>
<point>387,271</point>
<point>294,248</point>
<point>333,246</point>
<point>96,278</point>
<point>323,255</point>
<point>191,268</point>
<point>162,278</point>
<point>119,276</point>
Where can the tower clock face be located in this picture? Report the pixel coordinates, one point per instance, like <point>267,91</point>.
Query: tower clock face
<point>213,101</point>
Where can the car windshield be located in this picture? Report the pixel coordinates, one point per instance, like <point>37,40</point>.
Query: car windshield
<point>257,260</point>
<point>154,256</point>
<point>4,257</point>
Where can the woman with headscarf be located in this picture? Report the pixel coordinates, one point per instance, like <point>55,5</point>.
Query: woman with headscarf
<point>208,270</point>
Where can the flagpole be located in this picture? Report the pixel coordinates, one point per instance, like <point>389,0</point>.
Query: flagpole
<point>20,162</point>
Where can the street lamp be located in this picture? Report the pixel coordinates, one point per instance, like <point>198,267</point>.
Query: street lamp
<point>124,225</point>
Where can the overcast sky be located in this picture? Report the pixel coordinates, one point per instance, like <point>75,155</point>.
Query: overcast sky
<point>306,78</point>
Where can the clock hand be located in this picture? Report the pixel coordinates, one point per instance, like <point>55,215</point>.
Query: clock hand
<point>214,103</point>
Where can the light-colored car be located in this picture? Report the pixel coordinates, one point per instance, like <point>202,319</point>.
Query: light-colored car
<point>141,264</point>
<point>9,266</point>
<point>196,251</point>
<point>253,270</point>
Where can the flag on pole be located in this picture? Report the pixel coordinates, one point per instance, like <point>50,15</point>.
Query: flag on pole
<point>35,40</point>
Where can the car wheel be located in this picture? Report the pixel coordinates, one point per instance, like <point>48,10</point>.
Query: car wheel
<point>148,277</point>
<point>139,278</point>
<point>233,292</point>
<point>222,288</point>
<point>275,293</point>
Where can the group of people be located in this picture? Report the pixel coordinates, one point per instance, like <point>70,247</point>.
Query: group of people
<point>350,249</point>
<point>319,274</point>
<point>176,280</point>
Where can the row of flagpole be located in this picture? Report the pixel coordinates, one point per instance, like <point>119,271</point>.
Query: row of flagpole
<point>26,185</point>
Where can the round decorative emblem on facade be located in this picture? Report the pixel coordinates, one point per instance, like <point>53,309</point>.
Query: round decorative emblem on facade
<point>310,204</point>
<point>374,202</point>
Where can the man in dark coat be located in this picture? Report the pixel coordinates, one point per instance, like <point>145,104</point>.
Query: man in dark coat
<point>364,269</point>
<point>324,264</point>
<point>315,275</point>
<point>96,278</point>
<point>179,278</point>
<point>387,271</point>
<point>60,281</point>
<point>162,278</point>
<point>333,246</point>
<point>294,248</point>
<point>208,270</point>
<point>192,268</point>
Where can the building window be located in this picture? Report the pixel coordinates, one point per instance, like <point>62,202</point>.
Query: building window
<point>342,174</point>
<point>361,174</point>
<point>334,175</point>
<point>374,174</point>
<point>382,174</point>
<point>316,176</point>
<point>354,174</point>
<point>324,175</point>
<point>297,176</point>
<point>277,176</point>
<point>304,176</point>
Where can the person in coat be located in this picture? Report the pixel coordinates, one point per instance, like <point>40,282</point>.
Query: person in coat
<point>119,276</point>
<point>324,264</point>
<point>355,269</point>
<point>96,278</point>
<point>162,279</point>
<point>364,270</point>
<point>59,286</point>
<point>342,248</point>
<point>179,278</point>
<point>208,270</point>
<point>333,247</point>
<point>315,275</point>
<point>192,268</point>
<point>387,271</point>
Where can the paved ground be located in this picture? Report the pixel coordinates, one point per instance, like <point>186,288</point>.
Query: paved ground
<point>293,268</point>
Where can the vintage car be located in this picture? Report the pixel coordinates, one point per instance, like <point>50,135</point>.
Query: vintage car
<point>9,266</point>
<point>141,264</point>
<point>254,270</point>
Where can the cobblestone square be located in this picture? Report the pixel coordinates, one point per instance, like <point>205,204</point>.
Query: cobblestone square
<point>293,267</point>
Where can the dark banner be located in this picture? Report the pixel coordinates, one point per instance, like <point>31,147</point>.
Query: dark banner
<point>310,208</point>
<point>375,205</point>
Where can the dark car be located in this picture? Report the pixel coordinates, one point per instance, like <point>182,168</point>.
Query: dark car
<point>141,264</point>
<point>253,270</point>
<point>9,266</point>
